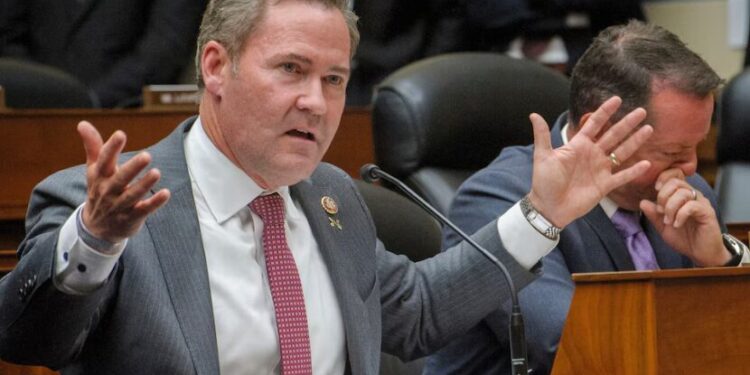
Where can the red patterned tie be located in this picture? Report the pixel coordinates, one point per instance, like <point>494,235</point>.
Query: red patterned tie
<point>286,288</point>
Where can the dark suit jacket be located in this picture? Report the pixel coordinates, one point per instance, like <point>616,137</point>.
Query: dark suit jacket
<point>114,46</point>
<point>589,244</point>
<point>154,315</point>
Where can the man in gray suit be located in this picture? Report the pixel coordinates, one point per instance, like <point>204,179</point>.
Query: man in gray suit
<point>242,253</point>
<point>651,68</point>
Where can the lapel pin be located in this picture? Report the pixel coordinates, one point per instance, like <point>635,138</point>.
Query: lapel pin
<point>331,208</point>
<point>329,205</point>
<point>335,223</point>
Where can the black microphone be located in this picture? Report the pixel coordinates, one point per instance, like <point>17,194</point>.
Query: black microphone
<point>518,357</point>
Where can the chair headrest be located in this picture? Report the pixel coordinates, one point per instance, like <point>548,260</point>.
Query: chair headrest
<point>459,110</point>
<point>31,85</point>
<point>734,120</point>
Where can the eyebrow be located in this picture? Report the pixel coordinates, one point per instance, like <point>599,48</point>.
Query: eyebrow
<point>308,61</point>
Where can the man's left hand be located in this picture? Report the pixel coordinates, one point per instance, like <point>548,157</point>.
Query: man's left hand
<point>686,220</point>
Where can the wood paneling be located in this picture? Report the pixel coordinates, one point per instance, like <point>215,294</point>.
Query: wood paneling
<point>11,369</point>
<point>36,143</point>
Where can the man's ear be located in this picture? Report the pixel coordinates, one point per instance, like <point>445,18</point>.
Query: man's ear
<point>574,128</point>
<point>583,120</point>
<point>216,66</point>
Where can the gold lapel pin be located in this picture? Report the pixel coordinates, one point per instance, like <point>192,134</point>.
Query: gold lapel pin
<point>330,207</point>
<point>335,223</point>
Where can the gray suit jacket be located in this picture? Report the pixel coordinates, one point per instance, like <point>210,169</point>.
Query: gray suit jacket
<point>589,244</point>
<point>154,314</point>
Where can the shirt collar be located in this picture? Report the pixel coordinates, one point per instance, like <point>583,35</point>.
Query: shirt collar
<point>226,188</point>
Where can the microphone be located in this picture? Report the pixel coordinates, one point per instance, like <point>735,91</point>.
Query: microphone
<point>518,357</point>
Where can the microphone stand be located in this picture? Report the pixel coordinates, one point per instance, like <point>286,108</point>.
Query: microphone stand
<point>518,356</point>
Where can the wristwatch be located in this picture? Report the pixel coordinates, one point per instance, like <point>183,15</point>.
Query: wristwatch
<point>736,248</point>
<point>539,222</point>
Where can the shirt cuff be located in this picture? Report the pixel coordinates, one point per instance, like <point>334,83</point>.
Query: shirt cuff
<point>79,268</point>
<point>521,240</point>
<point>745,258</point>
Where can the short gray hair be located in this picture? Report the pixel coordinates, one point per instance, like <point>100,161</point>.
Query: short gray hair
<point>231,22</point>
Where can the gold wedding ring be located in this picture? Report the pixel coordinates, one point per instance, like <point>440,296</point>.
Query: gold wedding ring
<point>613,159</point>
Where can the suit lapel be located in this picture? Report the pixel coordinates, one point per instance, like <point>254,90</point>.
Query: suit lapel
<point>611,240</point>
<point>556,132</point>
<point>335,248</point>
<point>176,234</point>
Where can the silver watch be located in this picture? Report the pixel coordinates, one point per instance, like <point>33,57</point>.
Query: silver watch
<point>539,222</point>
<point>736,248</point>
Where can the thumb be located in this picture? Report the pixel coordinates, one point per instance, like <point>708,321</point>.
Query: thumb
<point>542,139</point>
<point>649,209</point>
<point>92,141</point>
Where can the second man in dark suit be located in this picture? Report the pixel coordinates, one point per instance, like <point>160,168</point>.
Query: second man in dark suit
<point>665,218</point>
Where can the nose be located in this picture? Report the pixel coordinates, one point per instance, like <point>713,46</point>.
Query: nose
<point>688,165</point>
<point>312,99</point>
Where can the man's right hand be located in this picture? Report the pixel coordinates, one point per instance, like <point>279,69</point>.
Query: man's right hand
<point>115,208</point>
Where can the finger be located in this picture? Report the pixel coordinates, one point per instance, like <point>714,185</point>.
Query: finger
<point>596,121</point>
<point>128,171</point>
<point>649,209</point>
<point>675,202</point>
<point>92,141</point>
<point>626,175</point>
<point>633,142</point>
<point>688,210</point>
<point>668,174</point>
<point>110,151</point>
<point>138,189</point>
<point>667,190</point>
<point>619,131</point>
<point>542,139</point>
<point>154,202</point>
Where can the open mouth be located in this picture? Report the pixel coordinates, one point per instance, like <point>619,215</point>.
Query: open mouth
<point>301,134</point>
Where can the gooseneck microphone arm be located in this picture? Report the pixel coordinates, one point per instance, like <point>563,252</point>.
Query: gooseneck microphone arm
<point>519,361</point>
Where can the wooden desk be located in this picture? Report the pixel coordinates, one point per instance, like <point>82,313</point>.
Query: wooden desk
<point>657,322</point>
<point>739,230</point>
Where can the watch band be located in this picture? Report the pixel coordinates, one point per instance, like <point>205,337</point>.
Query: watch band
<point>736,248</point>
<point>539,222</point>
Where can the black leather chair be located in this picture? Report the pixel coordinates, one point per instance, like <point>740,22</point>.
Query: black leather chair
<point>733,150</point>
<point>404,228</point>
<point>438,120</point>
<point>30,85</point>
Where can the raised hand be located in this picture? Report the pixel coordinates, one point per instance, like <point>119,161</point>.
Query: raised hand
<point>686,220</point>
<point>568,181</point>
<point>115,208</point>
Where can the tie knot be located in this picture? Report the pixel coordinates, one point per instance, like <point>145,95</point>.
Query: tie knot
<point>270,208</point>
<point>627,222</point>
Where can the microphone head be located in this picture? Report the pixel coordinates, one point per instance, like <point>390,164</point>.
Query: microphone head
<point>369,173</point>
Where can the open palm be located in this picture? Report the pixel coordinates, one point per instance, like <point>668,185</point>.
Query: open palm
<point>569,181</point>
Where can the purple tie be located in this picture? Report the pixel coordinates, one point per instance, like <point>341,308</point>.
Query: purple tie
<point>286,287</point>
<point>629,226</point>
